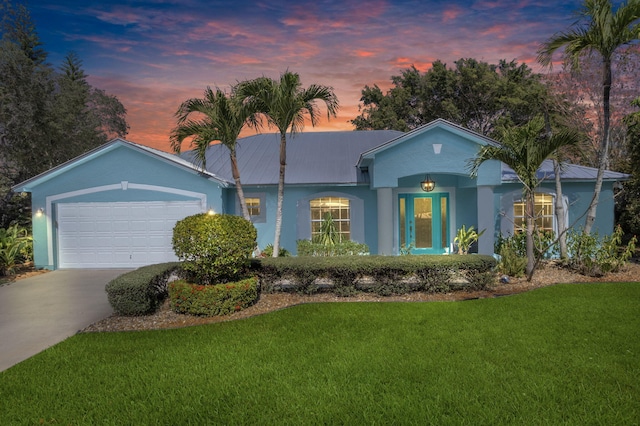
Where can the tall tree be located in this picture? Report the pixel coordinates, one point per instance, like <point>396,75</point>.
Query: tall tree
<point>583,88</point>
<point>26,88</point>
<point>46,117</point>
<point>629,205</point>
<point>219,118</point>
<point>601,30</point>
<point>285,104</point>
<point>474,94</point>
<point>84,117</point>
<point>524,148</point>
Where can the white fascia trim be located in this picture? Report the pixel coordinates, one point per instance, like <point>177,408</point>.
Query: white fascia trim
<point>123,186</point>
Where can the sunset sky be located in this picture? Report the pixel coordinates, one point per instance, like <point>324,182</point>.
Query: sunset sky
<point>154,54</point>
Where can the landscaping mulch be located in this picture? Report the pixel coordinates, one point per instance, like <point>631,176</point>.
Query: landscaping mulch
<point>551,273</point>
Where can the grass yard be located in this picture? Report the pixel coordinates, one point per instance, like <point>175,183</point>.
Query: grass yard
<point>567,354</point>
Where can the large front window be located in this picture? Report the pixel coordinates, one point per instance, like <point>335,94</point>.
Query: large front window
<point>340,213</point>
<point>543,213</point>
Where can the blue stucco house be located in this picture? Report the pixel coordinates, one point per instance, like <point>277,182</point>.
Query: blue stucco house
<point>116,205</point>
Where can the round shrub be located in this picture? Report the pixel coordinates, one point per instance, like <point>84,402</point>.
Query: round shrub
<point>214,248</point>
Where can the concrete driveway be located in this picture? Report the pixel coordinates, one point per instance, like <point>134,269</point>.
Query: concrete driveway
<point>43,310</point>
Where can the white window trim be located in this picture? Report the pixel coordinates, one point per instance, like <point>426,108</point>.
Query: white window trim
<point>507,222</point>
<point>262,217</point>
<point>356,215</point>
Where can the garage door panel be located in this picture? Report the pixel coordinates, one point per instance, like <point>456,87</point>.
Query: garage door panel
<point>116,235</point>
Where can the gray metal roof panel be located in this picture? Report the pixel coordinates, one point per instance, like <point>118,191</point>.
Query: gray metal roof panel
<point>568,172</point>
<point>312,157</point>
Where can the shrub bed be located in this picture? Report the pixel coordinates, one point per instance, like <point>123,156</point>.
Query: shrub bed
<point>211,300</point>
<point>142,291</point>
<point>384,275</point>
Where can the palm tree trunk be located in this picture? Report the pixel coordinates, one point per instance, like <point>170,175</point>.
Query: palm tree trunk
<point>530,207</point>
<point>236,177</point>
<point>603,158</point>
<point>283,164</point>
<point>560,212</point>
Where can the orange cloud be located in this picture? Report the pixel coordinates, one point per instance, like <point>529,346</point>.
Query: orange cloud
<point>364,53</point>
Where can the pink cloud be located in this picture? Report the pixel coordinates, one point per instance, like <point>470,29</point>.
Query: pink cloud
<point>499,30</point>
<point>451,13</point>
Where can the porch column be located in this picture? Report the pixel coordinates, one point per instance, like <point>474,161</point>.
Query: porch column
<point>385,221</point>
<point>486,219</point>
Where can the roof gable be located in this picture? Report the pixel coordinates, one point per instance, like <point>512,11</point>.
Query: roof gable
<point>438,125</point>
<point>437,147</point>
<point>105,149</point>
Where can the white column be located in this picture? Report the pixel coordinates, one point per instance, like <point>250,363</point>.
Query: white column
<point>385,221</point>
<point>486,216</point>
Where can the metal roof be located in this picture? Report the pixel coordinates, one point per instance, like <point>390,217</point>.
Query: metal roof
<point>332,158</point>
<point>568,171</point>
<point>313,158</point>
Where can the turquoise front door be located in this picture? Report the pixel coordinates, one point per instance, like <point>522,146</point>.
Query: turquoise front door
<point>424,223</point>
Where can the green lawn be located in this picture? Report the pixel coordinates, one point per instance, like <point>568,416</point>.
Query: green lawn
<point>567,354</point>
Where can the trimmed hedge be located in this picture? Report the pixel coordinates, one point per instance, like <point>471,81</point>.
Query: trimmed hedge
<point>345,248</point>
<point>384,275</point>
<point>212,300</point>
<point>142,291</point>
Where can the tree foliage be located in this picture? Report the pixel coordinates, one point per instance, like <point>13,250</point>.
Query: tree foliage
<point>215,117</point>
<point>629,203</point>
<point>475,94</point>
<point>524,149</point>
<point>47,115</point>
<point>582,88</point>
<point>285,104</point>
<point>601,31</point>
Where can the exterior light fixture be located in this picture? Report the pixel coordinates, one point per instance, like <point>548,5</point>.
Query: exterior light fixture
<point>39,212</point>
<point>210,212</point>
<point>427,184</point>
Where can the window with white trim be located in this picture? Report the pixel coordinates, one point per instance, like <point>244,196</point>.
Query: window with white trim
<point>255,205</point>
<point>340,211</point>
<point>544,216</point>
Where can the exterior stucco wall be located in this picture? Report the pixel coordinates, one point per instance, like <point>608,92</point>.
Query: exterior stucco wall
<point>119,175</point>
<point>435,151</point>
<point>577,196</point>
<point>296,218</point>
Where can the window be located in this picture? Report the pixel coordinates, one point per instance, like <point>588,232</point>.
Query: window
<point>253,205</point>
<point>256,206</point>
<point>543,213</point>
<point>340,211</point>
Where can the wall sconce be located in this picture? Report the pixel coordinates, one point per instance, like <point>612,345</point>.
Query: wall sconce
<point>210,212</point>
<point>427,184</point>
<point>40,212</point>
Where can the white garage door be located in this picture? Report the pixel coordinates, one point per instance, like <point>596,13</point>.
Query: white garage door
<point>118,235</point>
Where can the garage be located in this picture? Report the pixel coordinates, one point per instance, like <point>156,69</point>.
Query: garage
<point>118,234</point>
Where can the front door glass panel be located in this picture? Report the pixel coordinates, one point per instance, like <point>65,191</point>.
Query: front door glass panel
<point>423,219</point>
<point>424,222</point>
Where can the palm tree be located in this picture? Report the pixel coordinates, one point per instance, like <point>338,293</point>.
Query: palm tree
<point>524,149</point>
<point>605,31</point>
<point>285,104</point>
<point>221,118</point>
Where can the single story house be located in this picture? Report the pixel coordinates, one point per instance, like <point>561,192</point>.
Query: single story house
<point>116,206</point>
